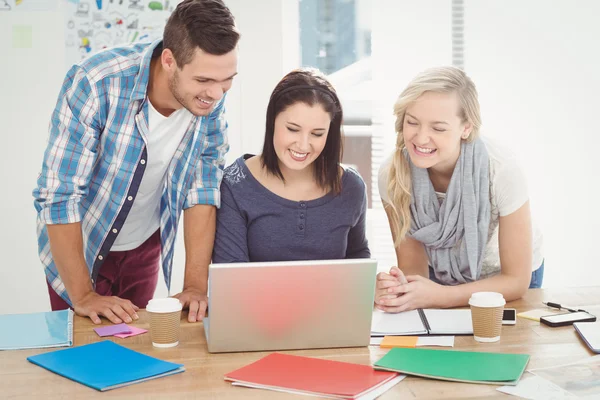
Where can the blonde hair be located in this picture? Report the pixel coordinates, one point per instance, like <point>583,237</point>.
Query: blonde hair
<point>399,187</point>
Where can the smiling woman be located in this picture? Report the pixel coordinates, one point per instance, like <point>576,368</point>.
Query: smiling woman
<point>457,205</point>
<point>294,201</point>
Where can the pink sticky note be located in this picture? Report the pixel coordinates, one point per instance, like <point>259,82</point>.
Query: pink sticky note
<point>112,330</point>
<point>134,331</point>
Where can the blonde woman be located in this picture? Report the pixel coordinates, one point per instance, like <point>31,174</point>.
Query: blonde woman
<point>457,205</point>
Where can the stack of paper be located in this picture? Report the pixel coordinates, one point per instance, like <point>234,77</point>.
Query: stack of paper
<point>313,376</point>
<point>105,365</point>
<point>36,331</point>
<point>462,366</point>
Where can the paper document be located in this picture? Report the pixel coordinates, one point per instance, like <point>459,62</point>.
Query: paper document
<point>376,340</point>
<point>457,322</point>
<point>581,378</point>
<point>536,388</point>
<point>372,395</point>
<point>389,342</point>
<point>405,323</point>
<point>134,331</point>
<point>422,322</point>
<point>442,341</point>
<point>112,330</point>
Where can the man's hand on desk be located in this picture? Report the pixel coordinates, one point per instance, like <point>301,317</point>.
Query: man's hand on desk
<point>117,310</point>
<point>418,292</point>
<point>196,301</point>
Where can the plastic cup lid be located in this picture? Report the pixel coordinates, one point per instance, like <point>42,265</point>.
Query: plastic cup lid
<point>487,299</point>
<point>164,305</point>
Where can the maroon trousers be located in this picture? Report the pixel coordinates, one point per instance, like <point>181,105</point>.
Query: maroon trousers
<point>130,275</point>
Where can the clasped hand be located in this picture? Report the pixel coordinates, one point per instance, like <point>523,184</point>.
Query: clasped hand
<point>397,293</point>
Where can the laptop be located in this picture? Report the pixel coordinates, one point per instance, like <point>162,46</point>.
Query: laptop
<point>286,305</point>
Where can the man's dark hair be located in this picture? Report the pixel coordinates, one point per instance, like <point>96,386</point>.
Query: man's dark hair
<point>311,87</point>
<point>207,24</point>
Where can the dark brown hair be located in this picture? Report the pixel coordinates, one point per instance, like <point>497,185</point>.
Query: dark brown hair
<point>207,24</point>
<point>311,87</point>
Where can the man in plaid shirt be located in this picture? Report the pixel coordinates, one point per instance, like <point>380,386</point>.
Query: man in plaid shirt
<point>138,135</point>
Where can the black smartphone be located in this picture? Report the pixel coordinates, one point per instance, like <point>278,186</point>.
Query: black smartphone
<point>567,318</point>
<point>509,317</point>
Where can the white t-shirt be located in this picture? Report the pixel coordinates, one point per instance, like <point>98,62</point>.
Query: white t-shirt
<point>165,134</point>
<point>508,192</point>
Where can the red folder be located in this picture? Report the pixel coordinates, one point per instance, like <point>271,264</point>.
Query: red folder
<point>310,375</point>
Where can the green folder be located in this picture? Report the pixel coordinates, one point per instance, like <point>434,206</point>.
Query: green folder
<point>461,366</point>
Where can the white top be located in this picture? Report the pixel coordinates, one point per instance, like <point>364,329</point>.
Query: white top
<point>165,134</point>
<point>508,192</point>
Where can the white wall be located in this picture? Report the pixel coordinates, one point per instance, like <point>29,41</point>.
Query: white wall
<point>407,37</point>
<point>535,63</point>
<point>29,85</point>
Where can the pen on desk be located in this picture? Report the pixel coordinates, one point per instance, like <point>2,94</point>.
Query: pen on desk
<point>560,307</point>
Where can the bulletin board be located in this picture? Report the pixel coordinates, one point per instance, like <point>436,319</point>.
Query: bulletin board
<point>92,25</point>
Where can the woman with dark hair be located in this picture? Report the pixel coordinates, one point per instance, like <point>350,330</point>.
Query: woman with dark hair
<point>295,201</point>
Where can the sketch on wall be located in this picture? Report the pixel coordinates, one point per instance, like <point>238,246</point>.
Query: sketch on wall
<point>28,5</point>
<point>93,25</point>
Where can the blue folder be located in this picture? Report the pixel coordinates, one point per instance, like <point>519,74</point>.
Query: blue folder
<point>105,365</point>
<point>37,330</point>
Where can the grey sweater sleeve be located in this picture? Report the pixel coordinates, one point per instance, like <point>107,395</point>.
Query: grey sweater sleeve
<point>231,243</point>
<point>358,246</point>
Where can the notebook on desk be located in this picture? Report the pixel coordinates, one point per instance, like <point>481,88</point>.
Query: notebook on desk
<point>311,376</point>
<point>422,322</point>
<point>36,330</point>
<point>460,366</point>
<point>105,365</point>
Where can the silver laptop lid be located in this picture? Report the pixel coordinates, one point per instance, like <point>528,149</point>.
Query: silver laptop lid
<point>290,305</point>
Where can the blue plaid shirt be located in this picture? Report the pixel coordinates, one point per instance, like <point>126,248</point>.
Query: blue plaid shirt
<point>96,156</point>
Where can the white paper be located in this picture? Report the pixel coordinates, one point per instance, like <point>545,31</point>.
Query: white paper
<point>534,387</point>
<point>382,389</point>
<point>405,323</point>
<point>275,389</point>
<point>581,378</point>
<point>376,340</point>
<point>443,341</point>
<point>373,394</point>
<point>455,322</point>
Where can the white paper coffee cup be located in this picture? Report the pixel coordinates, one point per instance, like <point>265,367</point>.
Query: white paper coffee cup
<point>165,318</point>
<point>486,313</point>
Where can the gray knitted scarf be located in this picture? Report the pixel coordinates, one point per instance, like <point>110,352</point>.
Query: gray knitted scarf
<point>454,232</point>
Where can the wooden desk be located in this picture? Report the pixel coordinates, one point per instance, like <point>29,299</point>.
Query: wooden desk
<point>204,372</point>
